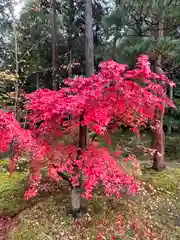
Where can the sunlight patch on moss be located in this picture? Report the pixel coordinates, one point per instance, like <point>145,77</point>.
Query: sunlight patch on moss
<point>166,181</point>
<point>11,192</point>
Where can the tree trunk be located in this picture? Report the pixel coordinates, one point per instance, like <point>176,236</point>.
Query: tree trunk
<point>71,13</point>
<point>158,140</point>
<point>16,82</point>
<point>114,53</point>
<point>120,6</point>
<point>76,201</point>
<point>54,56</point>
<point>83,130</point>
<point>169,130</point>
<point>89,44</point>
<point>37,80</point>
<point>76,191</point>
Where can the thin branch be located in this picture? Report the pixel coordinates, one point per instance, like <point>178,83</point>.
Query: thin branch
<point>31,48</point>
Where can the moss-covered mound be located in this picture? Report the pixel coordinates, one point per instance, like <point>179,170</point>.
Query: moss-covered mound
<point>152,214</point>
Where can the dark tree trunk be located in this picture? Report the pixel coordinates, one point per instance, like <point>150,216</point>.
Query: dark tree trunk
<point>54,48</point>
<point>37,80</point>
<point>158,140</point>
<point>83,130</point>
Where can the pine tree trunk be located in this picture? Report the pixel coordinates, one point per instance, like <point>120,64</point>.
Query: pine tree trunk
<point>83,130</point>
<point>158,141</point>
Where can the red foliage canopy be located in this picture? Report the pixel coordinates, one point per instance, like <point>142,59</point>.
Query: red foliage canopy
<point>115,93</point>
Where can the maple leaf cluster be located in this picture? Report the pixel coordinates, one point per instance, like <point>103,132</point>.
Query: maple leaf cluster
<point>114,94</point>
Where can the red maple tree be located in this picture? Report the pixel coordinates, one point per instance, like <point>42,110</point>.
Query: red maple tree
<point>113,96</point>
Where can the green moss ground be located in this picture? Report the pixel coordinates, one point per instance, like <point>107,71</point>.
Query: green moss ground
<point>156,208</point>
<point>11,192</point>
